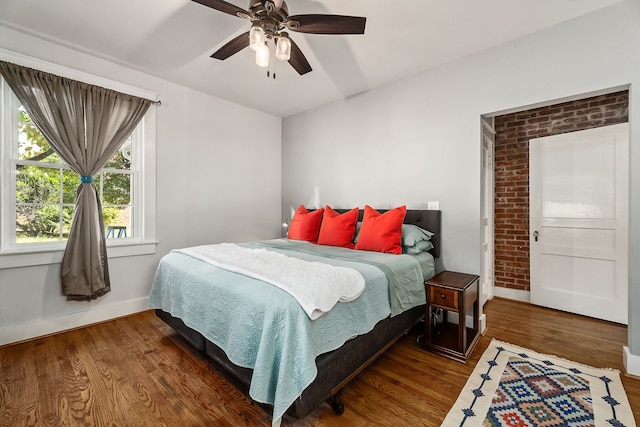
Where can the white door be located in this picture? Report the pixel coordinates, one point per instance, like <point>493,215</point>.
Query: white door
<point>486,274</point>
<point>579,222</point>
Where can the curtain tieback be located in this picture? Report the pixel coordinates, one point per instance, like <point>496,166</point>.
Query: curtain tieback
<point>86,179</point>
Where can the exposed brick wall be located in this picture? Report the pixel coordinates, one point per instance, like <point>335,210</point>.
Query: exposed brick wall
<point>513,132</point>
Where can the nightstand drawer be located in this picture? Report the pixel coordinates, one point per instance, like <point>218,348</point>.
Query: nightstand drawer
<point>444,297</point>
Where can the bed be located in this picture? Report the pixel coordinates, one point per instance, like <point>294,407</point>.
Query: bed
<point>284,358</point>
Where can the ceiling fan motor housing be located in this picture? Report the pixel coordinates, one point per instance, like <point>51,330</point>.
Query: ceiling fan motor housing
<point>267,8</point>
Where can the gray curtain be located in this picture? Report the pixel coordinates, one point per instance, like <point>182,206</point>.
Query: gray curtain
<point>85,125</point>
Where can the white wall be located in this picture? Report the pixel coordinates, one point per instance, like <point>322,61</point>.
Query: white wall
<point>217,180</point>
<point>418,140</point>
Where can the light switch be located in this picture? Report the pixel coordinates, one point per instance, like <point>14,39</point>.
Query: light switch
<point>433,206</point>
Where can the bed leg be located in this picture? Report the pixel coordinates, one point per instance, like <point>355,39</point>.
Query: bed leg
<point>337,404</point>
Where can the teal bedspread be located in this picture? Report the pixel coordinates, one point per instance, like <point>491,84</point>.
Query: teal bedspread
<point>261,327</point>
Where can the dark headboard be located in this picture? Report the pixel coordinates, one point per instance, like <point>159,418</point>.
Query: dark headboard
<point>427,219</point>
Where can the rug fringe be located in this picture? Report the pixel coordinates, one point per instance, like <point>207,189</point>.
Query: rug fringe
<point>553,355</point>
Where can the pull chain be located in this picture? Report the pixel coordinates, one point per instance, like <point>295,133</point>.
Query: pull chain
<point>274,67</point>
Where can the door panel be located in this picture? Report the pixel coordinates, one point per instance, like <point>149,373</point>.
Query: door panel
<point>579,209</point>
<point>591,275</point>
<point>578,177</point>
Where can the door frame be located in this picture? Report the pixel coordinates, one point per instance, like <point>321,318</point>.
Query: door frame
<point>487,190</point>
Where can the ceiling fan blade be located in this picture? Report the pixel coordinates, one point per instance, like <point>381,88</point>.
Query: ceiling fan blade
<point>225,7</point>
<point>232,47</point>
<point>327,24</point>
<point>298,60</point>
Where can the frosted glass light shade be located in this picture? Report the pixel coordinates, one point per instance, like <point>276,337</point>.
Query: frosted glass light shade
<point>262,56</point>
<point>283,47</point>
<point>256,36</point>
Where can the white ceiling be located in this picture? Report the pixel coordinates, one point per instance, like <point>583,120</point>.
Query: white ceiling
<point>173,39</point>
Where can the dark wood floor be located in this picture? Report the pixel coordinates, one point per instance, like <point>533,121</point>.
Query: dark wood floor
<point>135,371</point>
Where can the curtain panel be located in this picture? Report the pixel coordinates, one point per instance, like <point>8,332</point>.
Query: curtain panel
<point>85,125</point>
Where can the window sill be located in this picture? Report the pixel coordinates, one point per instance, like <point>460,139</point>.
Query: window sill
<point>27,258</point>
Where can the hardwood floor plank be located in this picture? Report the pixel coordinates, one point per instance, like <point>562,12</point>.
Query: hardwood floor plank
<point>53,401</point>
<point>136,371</point>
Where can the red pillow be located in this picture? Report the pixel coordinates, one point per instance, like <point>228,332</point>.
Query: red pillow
<point>337,229</point>
<point>305,225</point>
<point>381,232</point>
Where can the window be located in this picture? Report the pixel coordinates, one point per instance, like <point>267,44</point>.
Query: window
<point>45,187</point>
<point>39,189</point>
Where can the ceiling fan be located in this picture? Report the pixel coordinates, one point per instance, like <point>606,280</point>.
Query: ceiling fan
<point>269,19</point>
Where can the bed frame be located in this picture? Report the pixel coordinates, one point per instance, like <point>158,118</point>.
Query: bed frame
<point>338,367</point>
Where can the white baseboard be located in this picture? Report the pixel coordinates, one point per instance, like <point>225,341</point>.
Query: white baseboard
<point>514,294</point>
<point>631,362</point>
<point>25,331</point>
<point>482,323</point>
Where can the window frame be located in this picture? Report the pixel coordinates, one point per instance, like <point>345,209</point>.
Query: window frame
<point>143,240</point>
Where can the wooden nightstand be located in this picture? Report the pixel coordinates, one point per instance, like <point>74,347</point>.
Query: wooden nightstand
<point>454,292</point>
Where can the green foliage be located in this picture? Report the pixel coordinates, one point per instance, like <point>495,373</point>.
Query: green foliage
<point>110,215</point>
<point>38,220</point>
<point>116,189</point>
<point>39,187</point>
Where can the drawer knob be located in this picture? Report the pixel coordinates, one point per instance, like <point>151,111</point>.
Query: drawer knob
<point>443,296</point>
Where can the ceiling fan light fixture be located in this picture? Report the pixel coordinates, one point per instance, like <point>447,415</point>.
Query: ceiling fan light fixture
<point>262,56</point>
<point>257,36</point>
<point>283,47</point>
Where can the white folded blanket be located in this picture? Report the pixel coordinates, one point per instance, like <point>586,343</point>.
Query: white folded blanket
<point>315,285</point>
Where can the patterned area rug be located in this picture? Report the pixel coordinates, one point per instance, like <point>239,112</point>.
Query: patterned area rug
<point>515,387</point>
